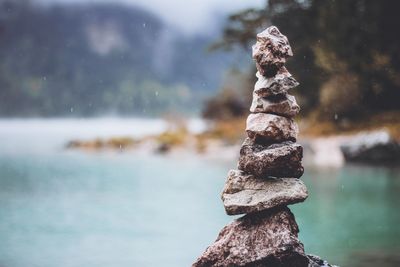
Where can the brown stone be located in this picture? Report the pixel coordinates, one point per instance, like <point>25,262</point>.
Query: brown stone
<point>244,193</point>
<point>261,239</point>
<point>284,105</point>
<point>277,160</point>
<point>271,51</point>
<point>271,128</point>
<point>278,84</point>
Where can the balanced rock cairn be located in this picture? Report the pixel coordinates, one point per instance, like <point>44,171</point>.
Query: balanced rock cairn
<point>268,170</point>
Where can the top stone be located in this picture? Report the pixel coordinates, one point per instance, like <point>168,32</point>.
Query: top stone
<point>271,51</point>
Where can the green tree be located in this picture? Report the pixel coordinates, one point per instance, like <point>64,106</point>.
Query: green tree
<point>347,56</point>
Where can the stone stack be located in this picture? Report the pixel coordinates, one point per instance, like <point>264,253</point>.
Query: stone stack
<point>268,170</point>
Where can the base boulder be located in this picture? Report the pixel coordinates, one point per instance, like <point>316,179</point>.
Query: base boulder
<point>262,239</point>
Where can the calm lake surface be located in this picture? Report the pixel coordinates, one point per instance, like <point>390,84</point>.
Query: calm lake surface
<point>72,208</point>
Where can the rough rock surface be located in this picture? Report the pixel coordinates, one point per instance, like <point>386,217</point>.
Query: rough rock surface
<point>244,193</point>
<point>261,239</point>
<point>315,261</point>
<point>271,51</point>
<point>277,160</point>
<point>269,128</point>
<point>283,105</point>
<point>281,83</point>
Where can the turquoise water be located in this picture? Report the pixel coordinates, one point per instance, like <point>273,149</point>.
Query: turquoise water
<point>70,208</point>
<point>351,216</point>
<point>107,210</point>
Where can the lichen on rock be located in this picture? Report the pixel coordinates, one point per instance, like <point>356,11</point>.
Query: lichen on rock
<point>276,160</point>
<point>278,84</point>
<point>271,51</point>
<point>283,105</point>
<point>270,128</point>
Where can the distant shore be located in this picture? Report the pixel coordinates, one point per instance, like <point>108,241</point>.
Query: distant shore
<point>222,139</point>
<point>321,151</point>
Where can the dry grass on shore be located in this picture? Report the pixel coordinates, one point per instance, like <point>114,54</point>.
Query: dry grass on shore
<point>233,130</point>
<point>112,143</point>
<point>311,127</point>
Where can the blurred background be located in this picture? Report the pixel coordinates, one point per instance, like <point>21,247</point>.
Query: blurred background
<point>121,119</point>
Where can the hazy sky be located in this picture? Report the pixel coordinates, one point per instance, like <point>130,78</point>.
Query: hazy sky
<point>189,15</point>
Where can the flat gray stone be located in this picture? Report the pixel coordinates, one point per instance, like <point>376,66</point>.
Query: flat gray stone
<point>285,105</point>
<point>277,160</point>
<point>244,193</point>
<point>271,51</point>
<point>270,128</point>
<point>260,239</point>
<point>278,84</point>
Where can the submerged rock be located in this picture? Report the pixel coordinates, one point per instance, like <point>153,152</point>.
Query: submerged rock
<point>375,147</point>
<point>277,160</point>
<point>266,238</point>
<point>263,127</point>
<point>315,261</point>
<point>244,193</point>
<point>279,84</point>
<point>271,51</point>
<point>284,105</point>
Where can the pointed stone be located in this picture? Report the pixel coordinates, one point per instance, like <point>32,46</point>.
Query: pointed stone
<point>271,51</point>
<point>284,105</point>
<point>277,160</point>
<point>262,239</point>
<point>279,84</point>
<point>244,193</point>
<point>269,128</point>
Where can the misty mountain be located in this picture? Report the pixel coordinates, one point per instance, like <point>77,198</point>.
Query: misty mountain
<point>101,59</point>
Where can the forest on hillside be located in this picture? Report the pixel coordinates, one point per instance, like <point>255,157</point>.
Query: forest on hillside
<point>111,59</point>
<point>101,59</point>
